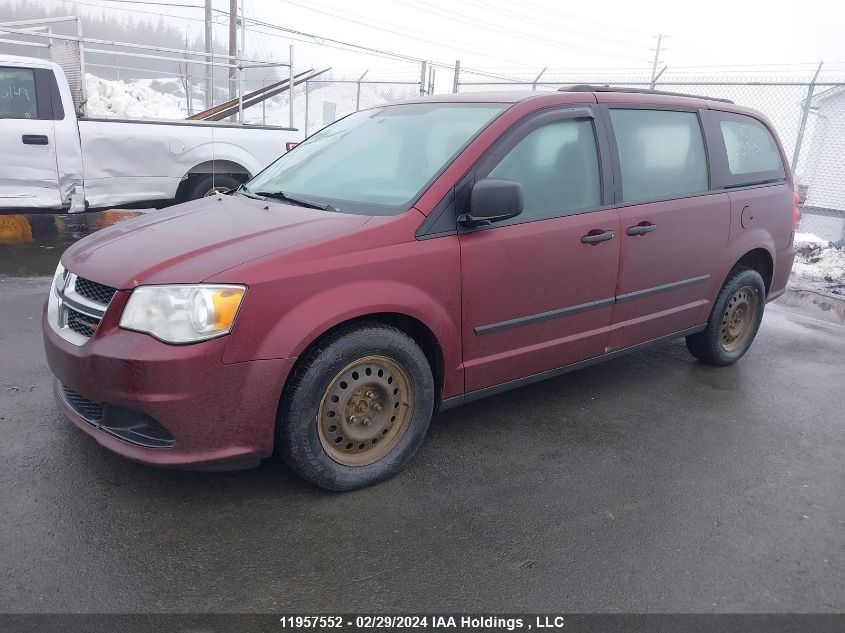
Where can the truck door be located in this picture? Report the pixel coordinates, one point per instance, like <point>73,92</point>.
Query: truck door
<point>28,168</point>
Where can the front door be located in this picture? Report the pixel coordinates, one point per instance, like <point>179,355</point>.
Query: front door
<point>28,171</point>
<point>538,290</point>
<point>673,229</point>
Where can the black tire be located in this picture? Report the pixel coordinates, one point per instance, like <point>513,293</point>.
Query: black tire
<point>708,346</point>
<point>209,184</point>
<point>298,431</point>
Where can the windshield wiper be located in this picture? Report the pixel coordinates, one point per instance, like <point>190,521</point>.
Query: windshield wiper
<point>286,197</point>
<point>244,191</point>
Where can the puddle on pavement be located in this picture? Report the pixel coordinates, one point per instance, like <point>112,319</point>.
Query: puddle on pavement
<point>31,244</point>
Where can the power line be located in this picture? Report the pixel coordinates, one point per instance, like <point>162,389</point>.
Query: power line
<point>489,26</point>
<point>548,25</point>
<point>569,16</point>
<point>319,39</point>
<point>292,33</point>
<point>408,35</point>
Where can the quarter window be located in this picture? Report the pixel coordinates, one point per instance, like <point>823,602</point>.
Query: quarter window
<point>661,153</point>
<point>17,94</point>
<point>558,167</point>
<point>750,148</point>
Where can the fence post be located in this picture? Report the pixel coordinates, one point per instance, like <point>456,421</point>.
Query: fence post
<point>800,138</point>
<point>306,109</point>
<point>422,79</point>
<point>358,91</point>
<point>536,79</point>
<point>291,87</point>
<point>83,92</point>
<point>657,76</point>
<point>457,82</point>
<point>188,90</point>
<point>241,56</point>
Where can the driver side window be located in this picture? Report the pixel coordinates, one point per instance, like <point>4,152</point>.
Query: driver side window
<point>17,94</point>
<point>558,167</point>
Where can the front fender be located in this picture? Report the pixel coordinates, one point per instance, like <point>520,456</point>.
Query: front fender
<point>304,323</point>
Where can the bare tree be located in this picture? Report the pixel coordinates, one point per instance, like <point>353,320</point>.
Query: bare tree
<point>183,71</point>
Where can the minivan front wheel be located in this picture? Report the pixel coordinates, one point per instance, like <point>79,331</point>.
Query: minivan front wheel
<point>356,408</point>
<point>734,320</point>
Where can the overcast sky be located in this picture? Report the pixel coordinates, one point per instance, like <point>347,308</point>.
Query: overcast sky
<point>520,38</point>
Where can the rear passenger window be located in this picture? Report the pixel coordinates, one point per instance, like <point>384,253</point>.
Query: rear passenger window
<point>558,167</point>
<point>17,94</point>
<point>751,152</point>
<point>661,153</point>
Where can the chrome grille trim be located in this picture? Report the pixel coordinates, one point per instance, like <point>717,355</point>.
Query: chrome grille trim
<point>93,291</point>
<point>65,300</point>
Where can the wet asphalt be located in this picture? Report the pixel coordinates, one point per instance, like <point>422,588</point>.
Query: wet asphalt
<point>649,483</point>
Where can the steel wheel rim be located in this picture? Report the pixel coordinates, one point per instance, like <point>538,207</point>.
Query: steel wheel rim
<point>365,411</point>
<point>217,190</point>
<point>739,318</point>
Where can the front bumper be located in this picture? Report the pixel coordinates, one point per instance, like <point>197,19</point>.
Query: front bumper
<point>217,414</point>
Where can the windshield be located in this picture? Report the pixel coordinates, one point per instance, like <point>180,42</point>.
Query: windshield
<point>376,161</point>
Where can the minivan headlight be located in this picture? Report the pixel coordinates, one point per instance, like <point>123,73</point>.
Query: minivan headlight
<point>183,314</point>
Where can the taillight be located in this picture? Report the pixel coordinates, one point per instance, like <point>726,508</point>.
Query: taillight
<point>796,212</point>
<point>289,146</point>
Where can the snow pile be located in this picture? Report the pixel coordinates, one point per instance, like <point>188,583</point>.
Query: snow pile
<point>819,260</point>
<point>131,100</point>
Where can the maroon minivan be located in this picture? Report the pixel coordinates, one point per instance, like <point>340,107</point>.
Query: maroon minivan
<point>414,257</point>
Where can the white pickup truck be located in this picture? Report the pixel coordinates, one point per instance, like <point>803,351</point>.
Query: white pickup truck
<point>50,159</point>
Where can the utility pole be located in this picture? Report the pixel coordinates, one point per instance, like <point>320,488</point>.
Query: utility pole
<point>656,59</point>
<point>209,49</point>
<point>233,47</point>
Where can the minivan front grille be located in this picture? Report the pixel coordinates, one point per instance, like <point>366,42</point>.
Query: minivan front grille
<point>81,323</point>
<point>77,305</point>
<point>88,409</point>
<point>94,291</point>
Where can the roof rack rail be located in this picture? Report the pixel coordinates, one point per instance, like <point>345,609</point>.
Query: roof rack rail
<point>591,88</point>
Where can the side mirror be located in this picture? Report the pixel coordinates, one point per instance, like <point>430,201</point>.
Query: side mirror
<point>493,200</point>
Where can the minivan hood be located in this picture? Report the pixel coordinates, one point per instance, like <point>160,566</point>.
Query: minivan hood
<point>190,242</point>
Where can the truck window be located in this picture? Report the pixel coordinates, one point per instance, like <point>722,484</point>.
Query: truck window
<point>17,94</point>
<point>661,153</point>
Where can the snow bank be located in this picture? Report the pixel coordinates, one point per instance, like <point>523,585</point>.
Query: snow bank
<point>131,100</point>
<point>819,260</point>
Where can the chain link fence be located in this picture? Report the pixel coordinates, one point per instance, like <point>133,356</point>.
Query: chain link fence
<point>325,101</point>
<point>808,115</point>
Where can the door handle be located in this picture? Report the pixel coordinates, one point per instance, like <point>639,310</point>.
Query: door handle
<point>597,235</point>
<point>641,229</point>
<point>34,139</point>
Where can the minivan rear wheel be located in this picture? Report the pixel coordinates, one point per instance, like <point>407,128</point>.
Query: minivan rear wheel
<point>356,408</point>
<point>734,320</point>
